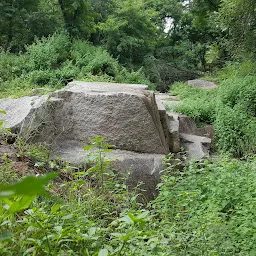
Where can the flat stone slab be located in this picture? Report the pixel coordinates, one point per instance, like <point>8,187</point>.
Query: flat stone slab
<point>197,147</point>
<point>103,87</point>
<point>165,101</point>
<point>202,84</point>
<point>144,168</point>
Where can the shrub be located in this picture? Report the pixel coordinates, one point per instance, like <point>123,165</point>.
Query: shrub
<point>197,103</point>
<point>242,91</point>
<point>236,113</point>
<point>208,209</point>
<point>12,66</point>
<point>237,69</point>
<point>94,60</point>
<point>48,53</point>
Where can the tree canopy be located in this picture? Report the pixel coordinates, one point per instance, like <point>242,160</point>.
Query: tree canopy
<point>194,35</point>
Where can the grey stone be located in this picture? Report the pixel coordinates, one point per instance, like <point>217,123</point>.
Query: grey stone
<point>188,125</point>
<point>173,127</point>
<point>17,110</point>
<point>142,168</point>
<point>125,114</point>
<point>206,131</point>
<point>197,147</point>
<point>169,121</point>
<point>181,130</point>
<point>202,84</point>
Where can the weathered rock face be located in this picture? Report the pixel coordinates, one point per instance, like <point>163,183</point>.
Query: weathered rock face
<point>135,121</point>
<point>125,114</point>
<point>197,147</point>
<point>187,125</point>
<point>18,109</point>
<point>169,121</point>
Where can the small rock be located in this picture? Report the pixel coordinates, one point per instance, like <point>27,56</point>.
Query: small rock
<point>202,84</point>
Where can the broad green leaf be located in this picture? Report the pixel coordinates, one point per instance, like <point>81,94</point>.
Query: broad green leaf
<point>103,252</point>
<point>28,186</point>
<point>2,111</point>
<point>88,147</point>
<point>21,203</point>
<point>55,208</point>
<point>127,219</point>
<point>5,235</point>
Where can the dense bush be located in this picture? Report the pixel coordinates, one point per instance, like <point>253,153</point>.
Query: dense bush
<point>197,103</point>
<point>12,66</point>
<point>49,53</point>
<point>236,115</point>
<point>55,60</point>
<point>237,69</point>
<point>209,208</point>
<point>164,74</point>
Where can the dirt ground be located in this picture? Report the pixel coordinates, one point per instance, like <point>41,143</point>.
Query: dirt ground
<point>10,156</point>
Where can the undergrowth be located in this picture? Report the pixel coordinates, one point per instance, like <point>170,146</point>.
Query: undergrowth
<point>197,103</point>
<point>206,209</point>
<point>54,61</point>
<point>231,108</point>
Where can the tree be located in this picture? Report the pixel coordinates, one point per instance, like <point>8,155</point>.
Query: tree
<point>130,33</point>
<point>192,32</point>
<point>237,18</point>
<point>78,17</point>
<point>21,21</point>
<point>14,17</point>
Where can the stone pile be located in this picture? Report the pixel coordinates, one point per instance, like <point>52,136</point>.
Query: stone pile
<point>134,120</point>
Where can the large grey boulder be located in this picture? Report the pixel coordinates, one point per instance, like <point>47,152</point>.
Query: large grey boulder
<point>126,115</point>
<point>200,83</point>
<point>140,125</point>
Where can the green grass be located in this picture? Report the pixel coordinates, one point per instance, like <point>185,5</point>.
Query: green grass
<point>197,103</point>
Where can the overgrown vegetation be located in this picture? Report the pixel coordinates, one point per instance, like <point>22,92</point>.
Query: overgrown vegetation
<point>52,62</point>
<point>230,107</point>
<point>170,40</point>
<point>206,209</point>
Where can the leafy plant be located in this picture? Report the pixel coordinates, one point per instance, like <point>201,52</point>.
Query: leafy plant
<point>200,104</point>
<point>98,148</point>
<point>236,112</point>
